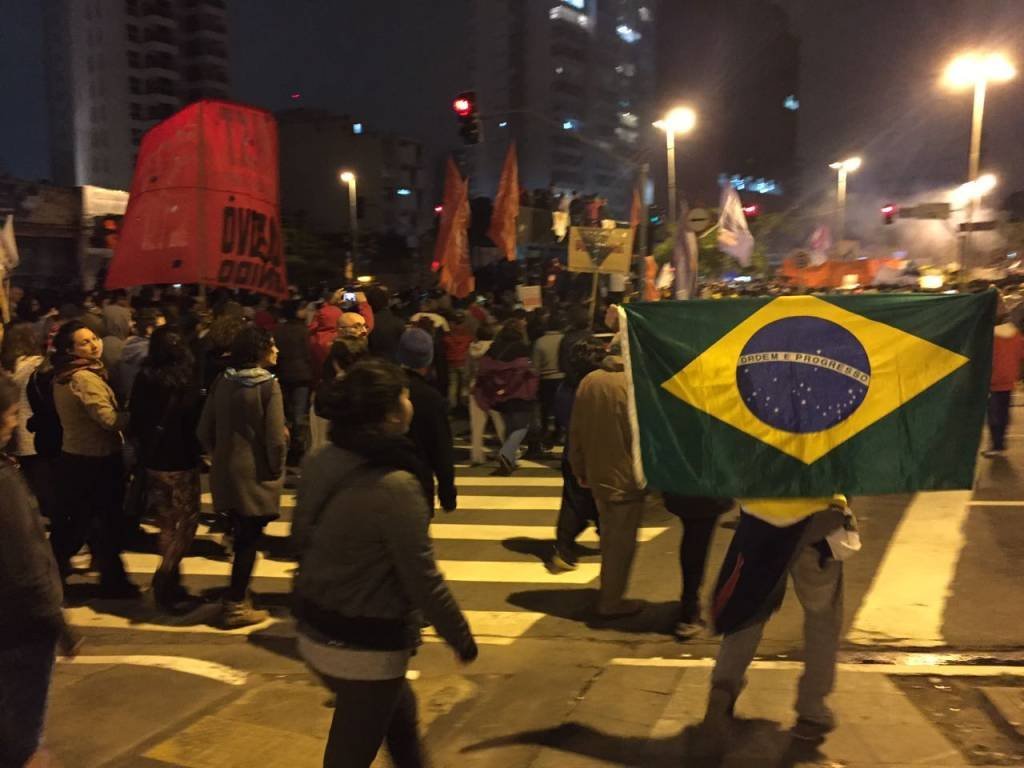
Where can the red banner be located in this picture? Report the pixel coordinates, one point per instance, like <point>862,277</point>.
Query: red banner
<point>506,206</point>
<point>204,203</point>
<point>452,248</point>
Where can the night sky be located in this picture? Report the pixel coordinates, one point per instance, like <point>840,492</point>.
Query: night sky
<point>870,78</point>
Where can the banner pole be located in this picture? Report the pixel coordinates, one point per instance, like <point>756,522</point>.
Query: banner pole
<point>593,298</point>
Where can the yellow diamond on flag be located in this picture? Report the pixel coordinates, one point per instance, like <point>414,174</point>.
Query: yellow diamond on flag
<point>805,376</point>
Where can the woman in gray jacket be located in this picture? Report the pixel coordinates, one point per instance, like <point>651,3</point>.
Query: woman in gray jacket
<point>242,426</point>
<point>366,568</point>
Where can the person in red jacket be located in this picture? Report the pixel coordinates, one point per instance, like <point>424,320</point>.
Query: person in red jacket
<point>1007,357</point>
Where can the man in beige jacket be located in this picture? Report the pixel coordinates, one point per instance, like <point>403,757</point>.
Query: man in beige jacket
<point>600,452</point>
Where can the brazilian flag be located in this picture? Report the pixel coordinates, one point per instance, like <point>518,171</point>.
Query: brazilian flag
<point>809,395</point>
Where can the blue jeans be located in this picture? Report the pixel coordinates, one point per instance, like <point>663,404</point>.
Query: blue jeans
<point>517,425</point>
<point>24,683</point>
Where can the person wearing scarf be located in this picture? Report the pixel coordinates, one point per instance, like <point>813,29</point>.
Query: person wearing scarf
<point>90,468</point>
<point>242,427</point>
<point>367,575</point>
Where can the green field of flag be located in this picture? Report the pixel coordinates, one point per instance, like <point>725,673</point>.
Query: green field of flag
<point>809,395</point>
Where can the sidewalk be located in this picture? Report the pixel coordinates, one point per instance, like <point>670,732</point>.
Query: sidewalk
<point>647,712</point>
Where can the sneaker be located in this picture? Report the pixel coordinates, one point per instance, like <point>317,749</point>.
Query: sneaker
<point>505,467</point>
<point>687,629</point>
<point>242,614</point>
<point>558,564</point>
<point>811,730</point>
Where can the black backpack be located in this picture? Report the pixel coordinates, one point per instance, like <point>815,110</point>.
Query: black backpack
<point>44,422</point>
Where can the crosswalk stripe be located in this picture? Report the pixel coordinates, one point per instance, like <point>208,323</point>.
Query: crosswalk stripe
<point>474,502</point>
<point>515,481</point>
<point>504,572</point>
<point>469,532</point>
<point>489,627</point>
<point>906,601</point>
<point>551,464</point>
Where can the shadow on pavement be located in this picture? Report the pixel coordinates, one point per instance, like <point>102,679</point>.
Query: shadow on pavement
<point>578,605</point>
<point>751,743</point>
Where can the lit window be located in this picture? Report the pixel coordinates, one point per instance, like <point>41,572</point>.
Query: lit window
<point>403,191</point>
<point>569,125</point>
<point>503,124</point>
<point>626,135</point>
<point>357,128</point>
<point>645,13</point>
<point>791,103</point>
<point>627,33</point>
<point>626,70</point>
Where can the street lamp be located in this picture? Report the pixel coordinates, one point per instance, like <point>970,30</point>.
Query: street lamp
<point>842,168</point>
<point>976,70</point>
<point>349,178</point>
<point>679,121</point>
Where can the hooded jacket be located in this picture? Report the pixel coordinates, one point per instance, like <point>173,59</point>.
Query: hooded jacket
<point>88,413</point>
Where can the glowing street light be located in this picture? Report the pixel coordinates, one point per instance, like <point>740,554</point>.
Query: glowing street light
<point>842,168</point>
<point>977,70</point>
<point>679,121</point>
<point>349,178</point>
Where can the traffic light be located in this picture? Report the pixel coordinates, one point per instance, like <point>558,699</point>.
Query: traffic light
<point>105,231</point>
<point>751,211</point>
<point>889,213</point>
<point>469,118</point>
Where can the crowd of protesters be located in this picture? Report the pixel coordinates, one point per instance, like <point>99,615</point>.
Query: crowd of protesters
<point>114,406</point>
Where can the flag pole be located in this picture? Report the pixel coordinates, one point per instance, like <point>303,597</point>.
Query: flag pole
<point>593,298</point>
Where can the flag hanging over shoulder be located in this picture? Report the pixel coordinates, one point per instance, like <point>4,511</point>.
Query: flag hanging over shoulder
<point>809,396</point>
<point>734,236</point>
<point>506,207</point>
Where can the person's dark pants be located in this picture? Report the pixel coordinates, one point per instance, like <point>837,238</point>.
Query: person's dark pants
<point>24,683</point>
<point>91,500</point>
<point>367,714</point>
<point>296,414</point>
<point>998,418</point>
<point>577,511</point>
<point>248,532</point>
<point>548,392</point>
<point>693,552</point>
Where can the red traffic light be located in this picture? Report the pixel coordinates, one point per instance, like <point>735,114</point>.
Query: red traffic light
<point>463,107</point>
<point>888,210</point>
<point>751,210</point>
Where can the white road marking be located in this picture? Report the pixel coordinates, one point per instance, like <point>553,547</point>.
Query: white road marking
<point>997,503</point>
<point>470,532</point>
<point>509,482</point>
<point>952,670</point>
<point>184,664</point>
<point>504,572</point>
<point>489,627</point>
<point>522,464</point>
<point>490,503</point>
<point>908,594</point>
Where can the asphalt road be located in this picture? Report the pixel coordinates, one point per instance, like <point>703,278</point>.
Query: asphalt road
<point>938,580</point>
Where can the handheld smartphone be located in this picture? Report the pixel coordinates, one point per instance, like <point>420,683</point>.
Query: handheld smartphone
<point>348,296</point>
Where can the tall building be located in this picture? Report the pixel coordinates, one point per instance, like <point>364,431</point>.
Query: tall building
<point>572,82</point>
<point>315,146</point>
<point>738,65</point>
<point>116,67</point>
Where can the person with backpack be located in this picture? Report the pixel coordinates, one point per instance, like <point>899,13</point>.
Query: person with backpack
<point>242,427</point>
<point>507,382</point>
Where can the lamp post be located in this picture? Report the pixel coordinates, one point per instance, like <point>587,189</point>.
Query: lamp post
<point>842,169</point>
<point>349,178</point>
<point>976,70</point>
<point>678,121</point>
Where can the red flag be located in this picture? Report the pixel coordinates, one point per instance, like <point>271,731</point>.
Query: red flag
<point>204,203</point>
<point>506,207</point>
<point>451,251</point>
<point>636,210</point>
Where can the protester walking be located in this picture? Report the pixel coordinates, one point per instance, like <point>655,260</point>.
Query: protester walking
<point>776,538</point>
<point>1007,358</point>
<point>430,430</point>
<point>367,572</point>
<point>478,417</point>
<point>601,456</point>
<point>34,628</point>
<point>506,382</point>
<point>387,326</point>
<point>91,468</point>
<point>545,361</point>
<point>577,509</point>
<point>242,427</point>
<point>699,515</point>
<point>164,411</point>
<point>295,373</point>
